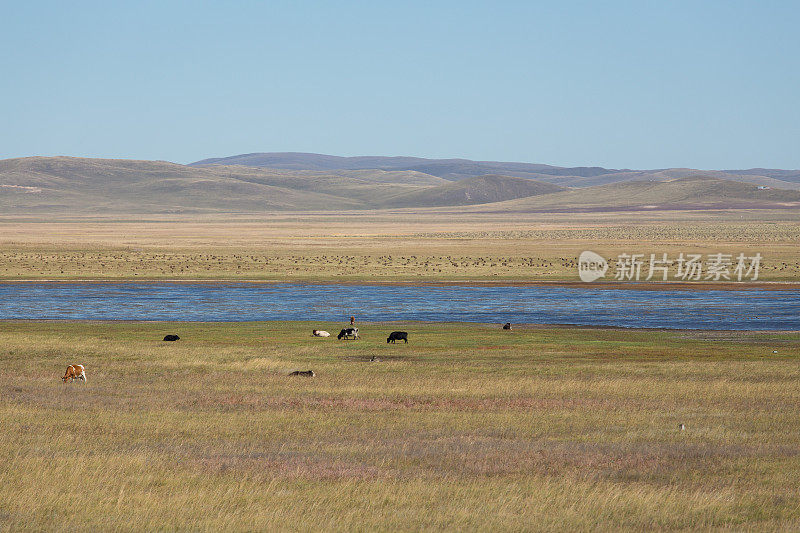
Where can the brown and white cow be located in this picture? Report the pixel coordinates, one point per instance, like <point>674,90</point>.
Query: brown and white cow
<point>320,333</point>
<point>74,372</point>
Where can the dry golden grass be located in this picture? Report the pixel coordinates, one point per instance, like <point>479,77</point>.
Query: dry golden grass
<point>467,427</point>
<point>415,246</point>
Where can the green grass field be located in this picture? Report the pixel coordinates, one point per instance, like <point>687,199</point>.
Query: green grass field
<point>467,427</point>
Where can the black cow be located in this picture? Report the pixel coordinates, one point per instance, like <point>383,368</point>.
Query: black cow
<point>347,333</point>
<point>507,325</point>
<point>397,336</point>
<point>307,373</point>
<point>171,338</point>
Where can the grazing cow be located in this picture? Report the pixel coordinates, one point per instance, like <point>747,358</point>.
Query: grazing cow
<point>507,325</point>
<point>397,336</point>
<point>74,372</point>
<point>171,338</point>
<point>320,333</point>
<point>348,333</point>
<point>307,373</point>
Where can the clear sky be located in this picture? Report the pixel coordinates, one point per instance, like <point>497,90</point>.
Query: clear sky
<point>640,84</point>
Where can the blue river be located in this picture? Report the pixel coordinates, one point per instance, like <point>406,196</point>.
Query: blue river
<point>234,302</point>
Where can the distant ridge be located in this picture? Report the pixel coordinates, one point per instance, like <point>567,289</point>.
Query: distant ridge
<point>471,191</point>
<point>458,169</point>
<point>443,168</point>
<point>82,186</point>
<point>676,194</point>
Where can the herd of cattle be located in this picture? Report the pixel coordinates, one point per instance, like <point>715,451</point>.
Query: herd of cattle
<point>352,333</point>
<point>78,372</point>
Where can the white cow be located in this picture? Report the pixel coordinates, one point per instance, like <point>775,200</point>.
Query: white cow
<point>320,333</point>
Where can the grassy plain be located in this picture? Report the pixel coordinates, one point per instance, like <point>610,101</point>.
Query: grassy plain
<point>467,427</point>
<point>432,245</point>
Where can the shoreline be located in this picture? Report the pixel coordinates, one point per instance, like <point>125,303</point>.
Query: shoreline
<point>602,285</point>
<point>522,326</point>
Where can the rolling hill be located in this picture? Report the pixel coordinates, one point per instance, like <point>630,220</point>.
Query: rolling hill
<point>68,185</point>
<point>458,169</point>
<point>470,191</point>
<point>678,194</point>
<point>452,169</point>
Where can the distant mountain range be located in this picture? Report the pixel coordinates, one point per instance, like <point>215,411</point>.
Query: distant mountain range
<point>458,169</point>
<point>255,183</point>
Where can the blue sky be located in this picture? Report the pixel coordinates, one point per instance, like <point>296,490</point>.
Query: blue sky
<point>616,84</point>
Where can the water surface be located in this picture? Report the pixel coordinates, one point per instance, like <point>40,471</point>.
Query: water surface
<point>232,302</point>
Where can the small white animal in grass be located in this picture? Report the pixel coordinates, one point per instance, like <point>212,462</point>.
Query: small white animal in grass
<point>682,427</point>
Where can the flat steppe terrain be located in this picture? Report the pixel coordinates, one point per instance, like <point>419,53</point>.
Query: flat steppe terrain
<point>432,245</point>
<point>466,427</point>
